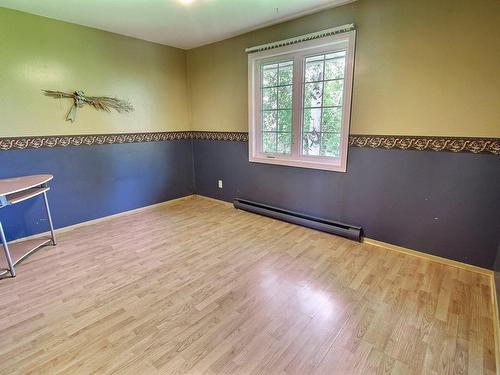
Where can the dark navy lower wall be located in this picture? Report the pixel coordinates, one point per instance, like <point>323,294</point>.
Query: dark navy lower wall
<point>443,203</point>
<point>96,181</point>
<point>496,268</point>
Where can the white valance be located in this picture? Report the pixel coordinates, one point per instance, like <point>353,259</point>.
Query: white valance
<point>302,38</point>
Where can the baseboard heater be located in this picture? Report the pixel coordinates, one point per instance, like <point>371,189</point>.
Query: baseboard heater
<point>333,227</point>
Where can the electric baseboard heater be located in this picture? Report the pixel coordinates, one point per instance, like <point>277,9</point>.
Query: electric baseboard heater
<point>333,227</point>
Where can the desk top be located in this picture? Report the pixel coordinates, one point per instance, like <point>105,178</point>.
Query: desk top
<point>16,184</point>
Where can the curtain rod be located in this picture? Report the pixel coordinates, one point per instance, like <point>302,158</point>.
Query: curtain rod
<point>302,38</point>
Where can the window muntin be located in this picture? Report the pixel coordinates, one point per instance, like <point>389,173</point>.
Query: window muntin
<point>319,75</point>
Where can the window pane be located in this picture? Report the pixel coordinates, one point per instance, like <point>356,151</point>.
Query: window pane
<point>285,97</point>
<point>313,94</point>
<point>284,143</point>
<point>276,115</point>
<point>333,93</point>
<point>269,98</point>
<point>285,121</point>
<point>269,121</point>
<point>311,143</point>
<point>335,68</point>
<point>323,99</point>
<point>269,142</point>
<point>331,120</point>
<point>269,75</point>
<point>312,119</point>
<point>286,73</point>
<point>330,144</point>
<point>314,69</point>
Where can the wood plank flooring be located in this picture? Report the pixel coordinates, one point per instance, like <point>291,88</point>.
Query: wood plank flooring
<point>197,287</point>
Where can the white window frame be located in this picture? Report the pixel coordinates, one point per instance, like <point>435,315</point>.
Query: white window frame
<point>298,53</point>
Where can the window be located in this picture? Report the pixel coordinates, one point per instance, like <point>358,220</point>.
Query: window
<point>300,102</point>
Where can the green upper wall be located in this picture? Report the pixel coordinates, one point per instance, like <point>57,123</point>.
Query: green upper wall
<point>423,67</point>
<point>39,53</point>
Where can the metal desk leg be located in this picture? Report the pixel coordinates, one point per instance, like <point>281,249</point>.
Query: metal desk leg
<point>47,208</point>
<point>6,251</point>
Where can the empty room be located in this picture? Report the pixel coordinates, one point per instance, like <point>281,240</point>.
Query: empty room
<point>274,187</point>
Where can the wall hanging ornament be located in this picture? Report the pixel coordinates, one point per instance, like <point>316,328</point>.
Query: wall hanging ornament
<point>101,103</point>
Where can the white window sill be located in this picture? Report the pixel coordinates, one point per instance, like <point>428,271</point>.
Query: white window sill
<point>334,165</point>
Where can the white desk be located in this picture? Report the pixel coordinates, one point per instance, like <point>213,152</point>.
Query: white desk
<point>15,190</point>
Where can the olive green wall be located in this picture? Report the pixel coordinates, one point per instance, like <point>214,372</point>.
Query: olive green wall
<point>422,68</point>
<point>427,67</point>
<point>39,53</point>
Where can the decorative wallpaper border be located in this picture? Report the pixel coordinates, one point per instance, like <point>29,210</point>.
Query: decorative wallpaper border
<point>408,142</point>
<point>21,143</point>
<point>221,136</point>
<point>401,142</point>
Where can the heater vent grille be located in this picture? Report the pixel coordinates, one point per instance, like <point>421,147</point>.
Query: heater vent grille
<point>341,229</point>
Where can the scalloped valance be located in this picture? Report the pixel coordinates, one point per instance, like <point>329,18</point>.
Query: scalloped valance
<point>302,38</point>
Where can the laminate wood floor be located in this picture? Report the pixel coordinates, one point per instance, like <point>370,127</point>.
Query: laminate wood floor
<point>197,287</point>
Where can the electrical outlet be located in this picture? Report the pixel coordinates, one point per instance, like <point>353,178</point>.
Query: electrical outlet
<point>220,184</point>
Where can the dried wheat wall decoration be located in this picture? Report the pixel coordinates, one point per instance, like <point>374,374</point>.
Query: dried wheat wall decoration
<point>101,103</point>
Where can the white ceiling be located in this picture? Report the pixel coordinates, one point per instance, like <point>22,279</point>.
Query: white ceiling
<point>179,23</point>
